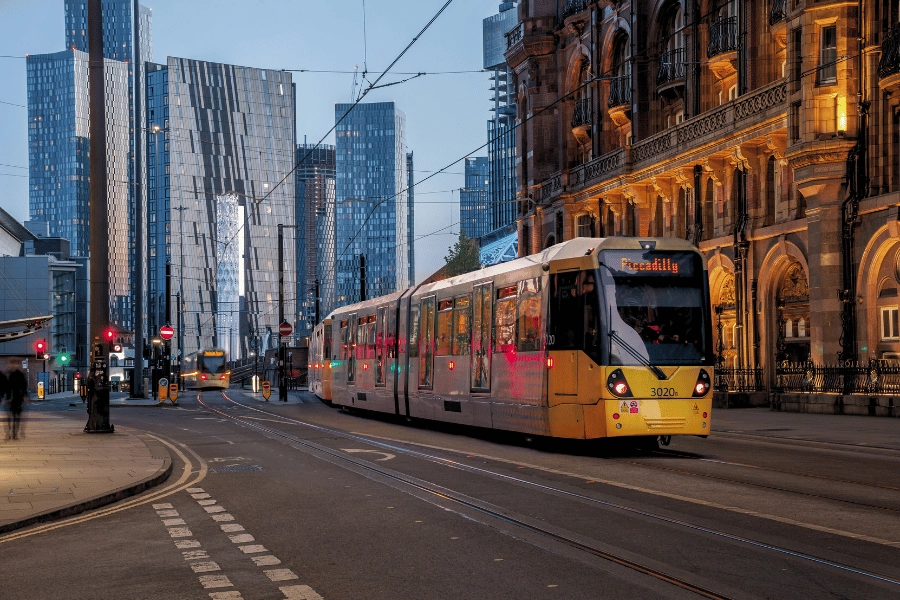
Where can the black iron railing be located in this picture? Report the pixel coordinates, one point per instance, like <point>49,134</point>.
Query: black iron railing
<point>671,66</point>
<point>620,91</point>
<point>876,378</point>
<point>890,52</point>
<point>574,7</point>
<point>515,35</point>
<point>584,112</point>
<point>723,36</point>
<point>730,379</point>
<point>778,12</point>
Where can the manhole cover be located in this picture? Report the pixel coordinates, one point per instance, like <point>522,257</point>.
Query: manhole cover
<point>236,469</point>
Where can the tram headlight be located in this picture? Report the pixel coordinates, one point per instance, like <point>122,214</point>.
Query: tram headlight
<point>701,388</point>
<point>617,385</point>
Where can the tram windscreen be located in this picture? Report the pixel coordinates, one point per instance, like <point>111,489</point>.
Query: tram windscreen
<point>212,361</point>
<point>657,307</point>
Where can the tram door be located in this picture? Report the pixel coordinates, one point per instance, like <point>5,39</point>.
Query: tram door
<point>481,337</point>
<point>426,345</point>
<point>351,347</point>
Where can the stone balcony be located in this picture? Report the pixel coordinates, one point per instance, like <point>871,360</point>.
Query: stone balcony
<point>889,64</point>
<point>531,37</point>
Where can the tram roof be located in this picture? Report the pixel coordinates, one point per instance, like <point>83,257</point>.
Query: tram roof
<point>574,248</point>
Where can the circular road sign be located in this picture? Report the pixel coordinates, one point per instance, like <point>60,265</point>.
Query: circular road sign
<point>285,329</point>
<point>166,332</point>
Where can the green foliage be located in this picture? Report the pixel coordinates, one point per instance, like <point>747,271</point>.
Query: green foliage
<point>463,257</point>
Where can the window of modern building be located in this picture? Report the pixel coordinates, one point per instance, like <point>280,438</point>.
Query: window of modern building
<point>828,55</point>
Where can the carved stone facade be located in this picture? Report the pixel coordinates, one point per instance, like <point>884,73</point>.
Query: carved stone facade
<point>766,132</point>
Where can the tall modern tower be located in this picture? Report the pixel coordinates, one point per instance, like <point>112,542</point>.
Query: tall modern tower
<point>59,168</point>
<point>411,216</point>
<point>372,203</point>
<point>501,127</point>
<point>474,198</point>
<point>315,233</point>
<point>224,143</point>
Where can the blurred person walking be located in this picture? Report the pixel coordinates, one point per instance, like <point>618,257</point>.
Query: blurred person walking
<point>17,390</point>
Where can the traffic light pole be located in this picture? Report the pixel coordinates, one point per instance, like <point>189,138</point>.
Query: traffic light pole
<point>98,405</point>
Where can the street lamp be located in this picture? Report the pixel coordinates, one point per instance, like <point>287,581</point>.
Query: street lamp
<point>157,342</point>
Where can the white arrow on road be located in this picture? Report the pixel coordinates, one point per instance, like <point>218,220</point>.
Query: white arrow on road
<point>386,455</point>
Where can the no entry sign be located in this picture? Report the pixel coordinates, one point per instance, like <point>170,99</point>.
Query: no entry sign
<point>285,329</point>
<point>166,332</point>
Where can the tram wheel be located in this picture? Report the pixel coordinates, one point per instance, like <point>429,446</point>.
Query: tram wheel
<point>665,440</point>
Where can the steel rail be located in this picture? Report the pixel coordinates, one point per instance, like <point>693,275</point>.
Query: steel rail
<point>548,488</point>
<point>451,495</point>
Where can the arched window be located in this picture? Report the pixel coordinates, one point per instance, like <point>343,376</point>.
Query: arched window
<point>672,59</point>
<point>620,86</point>
<point>788,328</point>
<point>582,95</point>
<point>801,327</point>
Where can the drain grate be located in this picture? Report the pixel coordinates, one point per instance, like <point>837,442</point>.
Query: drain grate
<point>236,469</point>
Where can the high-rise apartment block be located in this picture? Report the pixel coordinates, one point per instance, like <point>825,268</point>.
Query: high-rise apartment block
<point>59,168</point>
<point>315,233</point>
<point>474,198</point>
<point>501,127</point>
<point>371,197</point>
<point>220,152</point>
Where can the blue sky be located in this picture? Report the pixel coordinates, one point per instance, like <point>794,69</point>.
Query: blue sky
<point>446,114</point>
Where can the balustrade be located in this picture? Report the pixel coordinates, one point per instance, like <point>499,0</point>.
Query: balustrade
<point>778,12</point>
<point>584,112</point>
<point>889,63</point>
<point>515,35</point>
<point>671,66</point>
<point>574,7</point>
<point>723,36</point>
<point>620,91</point>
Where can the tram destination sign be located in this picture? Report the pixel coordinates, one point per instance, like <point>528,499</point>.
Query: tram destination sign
<point>641,263</point>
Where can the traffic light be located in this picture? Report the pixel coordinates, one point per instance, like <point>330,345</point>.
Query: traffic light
<point>40,348</point>
<point>63,359</point>
<point>109,335</point>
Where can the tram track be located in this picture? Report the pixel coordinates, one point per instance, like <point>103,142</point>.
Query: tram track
<point>444,493</point>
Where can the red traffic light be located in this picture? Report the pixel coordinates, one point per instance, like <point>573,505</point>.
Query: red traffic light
<point>40,345</point>
<point>109,334</point>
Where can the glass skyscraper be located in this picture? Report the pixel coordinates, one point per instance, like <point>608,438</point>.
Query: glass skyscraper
<point>411,216</point>
<point>220,183</point>
<point>501,127</point>
<point>474,198</point>
<point>315,233</point>
<point>372,202</point>
<point>59,169</point>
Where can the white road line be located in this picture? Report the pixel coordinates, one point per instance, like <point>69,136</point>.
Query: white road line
<point>300,592</point>
<point>265,561</point>
<point>162,506</point>
<point>253,549</point>
<point>215,581</point>
<point>214,509</point>
<point>193,491</point>
<point>281,574</point>
<point>195,555</point>
<point>199,496</point>
<point>177,532</point>
<point>206,502</point>
<point>183,544</point>
<point>167,513</point>
<point>231,527</point>
<point>241,538</point>
<point>173,522</point>
<point>223,517</point>
<point>205,567</point>
<point>226,596</point>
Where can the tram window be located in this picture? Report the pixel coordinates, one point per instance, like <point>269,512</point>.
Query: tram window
<point>370,336</point>
<point>444,328</point>
<point>326,343</point>
<point>529,315</point>
<point>592,318</point>
<point>426,341</point>
<point>345,351</point>
<point>566,326</point>
<point>462,325</point>
<point>413,342</point>
<point>361,339</point>
<point>505,320</point>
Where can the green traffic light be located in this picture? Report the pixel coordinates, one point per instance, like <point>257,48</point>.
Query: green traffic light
<point>63,358</point>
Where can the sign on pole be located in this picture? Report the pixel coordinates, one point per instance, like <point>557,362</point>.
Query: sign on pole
<point>285,329</point>
<point>173,392</point>
<point>166,332</point>
<point>266,390</point>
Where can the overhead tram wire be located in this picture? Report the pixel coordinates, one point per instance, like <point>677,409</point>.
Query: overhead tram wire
<point>309,152</point>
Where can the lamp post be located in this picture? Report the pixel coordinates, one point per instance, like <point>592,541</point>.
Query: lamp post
<point>157,342</point>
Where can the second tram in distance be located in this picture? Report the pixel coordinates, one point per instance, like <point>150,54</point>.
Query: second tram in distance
<point>590,338</point>
<point>206,369</point>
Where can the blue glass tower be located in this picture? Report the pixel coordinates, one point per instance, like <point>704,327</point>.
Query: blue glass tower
<point>411,216</point>
<point>372,203</point>
<point>474,198</point>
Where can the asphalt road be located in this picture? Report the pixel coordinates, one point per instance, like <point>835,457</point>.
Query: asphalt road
<point>299,500</point>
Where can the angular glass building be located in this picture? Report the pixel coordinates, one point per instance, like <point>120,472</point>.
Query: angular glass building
<point>411,216</point>
<point>315,233</point>
<point>59,169</point>
<point>221,151</point>
<point>372,203</point>
<point>118,28</point>
<point>474,198</point>
<point>501,127</point>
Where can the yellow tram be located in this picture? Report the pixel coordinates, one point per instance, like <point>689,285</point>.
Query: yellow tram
<point>590,338</point>
<point>206,369</point>
<point>319,367</point>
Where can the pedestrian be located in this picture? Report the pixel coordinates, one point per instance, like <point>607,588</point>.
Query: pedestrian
<point>17,392</point>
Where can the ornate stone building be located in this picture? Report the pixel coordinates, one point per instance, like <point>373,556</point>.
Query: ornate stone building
<point>767,132</point>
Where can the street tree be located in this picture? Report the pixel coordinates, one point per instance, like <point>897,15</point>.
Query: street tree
<point>463,257</point>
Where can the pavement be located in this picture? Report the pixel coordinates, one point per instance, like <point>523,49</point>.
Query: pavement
<point>56,470</point>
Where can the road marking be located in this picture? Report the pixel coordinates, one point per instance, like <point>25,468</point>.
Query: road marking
<point>226,596</point>
<point>252,549</point>
<point>176,532</point>
<point>281,574</point>
<point>195,554</point>
<point>223,517</point>
<point>195,490</point>
<point>167,513</point>
<point>214,509</point>
<point>627,486</point>
<point>173,522</point>
<point>231,527</point>
<point>386,455</point>
<point>270,420</point>
<point>199,496</point>
<point>183,544</point>
<point>241,538</point>
<point>162,506</point>
<point>300,592</point>
<point>265,561</point>
<point>215,581</point>
<point>205,502</point>
<point>205,567</point>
